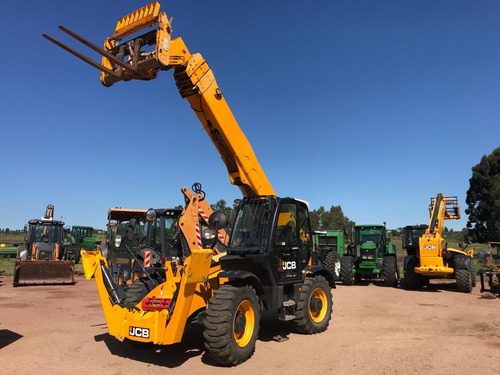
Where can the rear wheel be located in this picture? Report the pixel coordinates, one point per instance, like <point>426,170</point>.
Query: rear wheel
<point>314,306</point>
<point>332,264</point>
<point>464,277</point>
<point>232,324</point>
<point>390,271</point>
<point>346,265</point>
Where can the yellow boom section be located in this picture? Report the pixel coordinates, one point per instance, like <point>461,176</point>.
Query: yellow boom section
<point>142,57</point>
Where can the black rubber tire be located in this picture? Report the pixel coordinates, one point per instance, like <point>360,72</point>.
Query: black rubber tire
<point>425,280</point>
<point>473,273</point>
<point>412,281</point>
<point>390,271</point>
<point>346,265</point>
<point>223,310</point>
<point>332,264</point>
<point>134,292</point>
<point>314,306</point>
<point>464,277</point>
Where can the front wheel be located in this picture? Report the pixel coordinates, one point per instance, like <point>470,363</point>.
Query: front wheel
<point>346,265</point>
<point>232,324</point>
<point>412,281</point>
<point>314,306</point>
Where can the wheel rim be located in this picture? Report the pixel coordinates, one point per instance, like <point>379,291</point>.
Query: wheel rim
<point>318,298</point>
<point>244,323</point>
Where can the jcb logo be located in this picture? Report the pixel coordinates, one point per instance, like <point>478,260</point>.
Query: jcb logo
<point>289,265</point>
<point>139,332</point>
<point>429,247</point>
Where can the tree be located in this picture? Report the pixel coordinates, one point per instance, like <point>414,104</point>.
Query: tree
<point>483,199</point>
<point>332,219</point>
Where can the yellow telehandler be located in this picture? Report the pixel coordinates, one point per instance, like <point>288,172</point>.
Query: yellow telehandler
<point>270,263</point>
<point>433,258</point>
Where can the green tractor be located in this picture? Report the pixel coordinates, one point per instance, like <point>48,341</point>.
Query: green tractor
<point>370,255</point>
<point>77,239</point>
<point>329,245</point>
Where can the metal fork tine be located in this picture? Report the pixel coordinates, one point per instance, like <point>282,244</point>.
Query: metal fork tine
<point>102,52</point>
<point>81,56</point>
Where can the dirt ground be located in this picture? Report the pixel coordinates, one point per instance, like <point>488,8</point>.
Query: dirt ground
<point>374,330</point>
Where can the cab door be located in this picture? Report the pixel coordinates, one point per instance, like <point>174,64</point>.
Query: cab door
<point>292,243</point>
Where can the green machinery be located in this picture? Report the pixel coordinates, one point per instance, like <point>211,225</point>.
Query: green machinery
<point>370,255</point>
<point>329,245</point>
<point>77,239</point>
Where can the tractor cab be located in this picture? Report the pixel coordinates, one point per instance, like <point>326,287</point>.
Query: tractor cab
<point>162,233</point>
<point>124,233</point>
<point>370,241</point>
<point>411,237</point>
<point>44,240</point>
<point>39,259</point>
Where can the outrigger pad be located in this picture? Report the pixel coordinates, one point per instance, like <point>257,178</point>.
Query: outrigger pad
<point>44,272</point>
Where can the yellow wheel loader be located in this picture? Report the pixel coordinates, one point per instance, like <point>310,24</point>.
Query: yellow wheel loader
<point>38,259</point>
<point>270,265</point>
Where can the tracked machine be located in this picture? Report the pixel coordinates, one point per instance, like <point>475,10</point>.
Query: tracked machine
<point>270,263</point>
<point>38,259</point>
<point>433,258</point>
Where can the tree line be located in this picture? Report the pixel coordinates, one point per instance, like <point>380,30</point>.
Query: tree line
<point>483,206</point>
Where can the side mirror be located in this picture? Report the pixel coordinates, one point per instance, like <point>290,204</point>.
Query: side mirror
<point>217,220</point>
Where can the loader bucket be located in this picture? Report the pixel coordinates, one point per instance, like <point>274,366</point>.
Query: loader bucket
<point>44,272</point>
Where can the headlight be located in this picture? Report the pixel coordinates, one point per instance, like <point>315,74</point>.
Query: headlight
<point>208,234</point>
<point>118,240</point>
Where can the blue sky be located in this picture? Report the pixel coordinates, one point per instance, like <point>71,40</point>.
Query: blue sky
<point>372,105</point>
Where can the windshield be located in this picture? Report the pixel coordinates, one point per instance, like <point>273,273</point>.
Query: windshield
<point>368,235</point>
<point>413,235</point>
<point>82,232</point>
<point>153,232</point>
<point>251,226</point>
<point>45,233</point>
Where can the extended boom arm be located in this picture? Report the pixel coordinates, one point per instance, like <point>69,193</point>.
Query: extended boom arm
<point>194,79</point>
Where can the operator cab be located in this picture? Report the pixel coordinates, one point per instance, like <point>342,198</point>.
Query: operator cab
<point>270,225</point>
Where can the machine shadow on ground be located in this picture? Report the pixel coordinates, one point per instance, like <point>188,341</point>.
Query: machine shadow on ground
<point>172,356</point>
<point>7,337</point>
